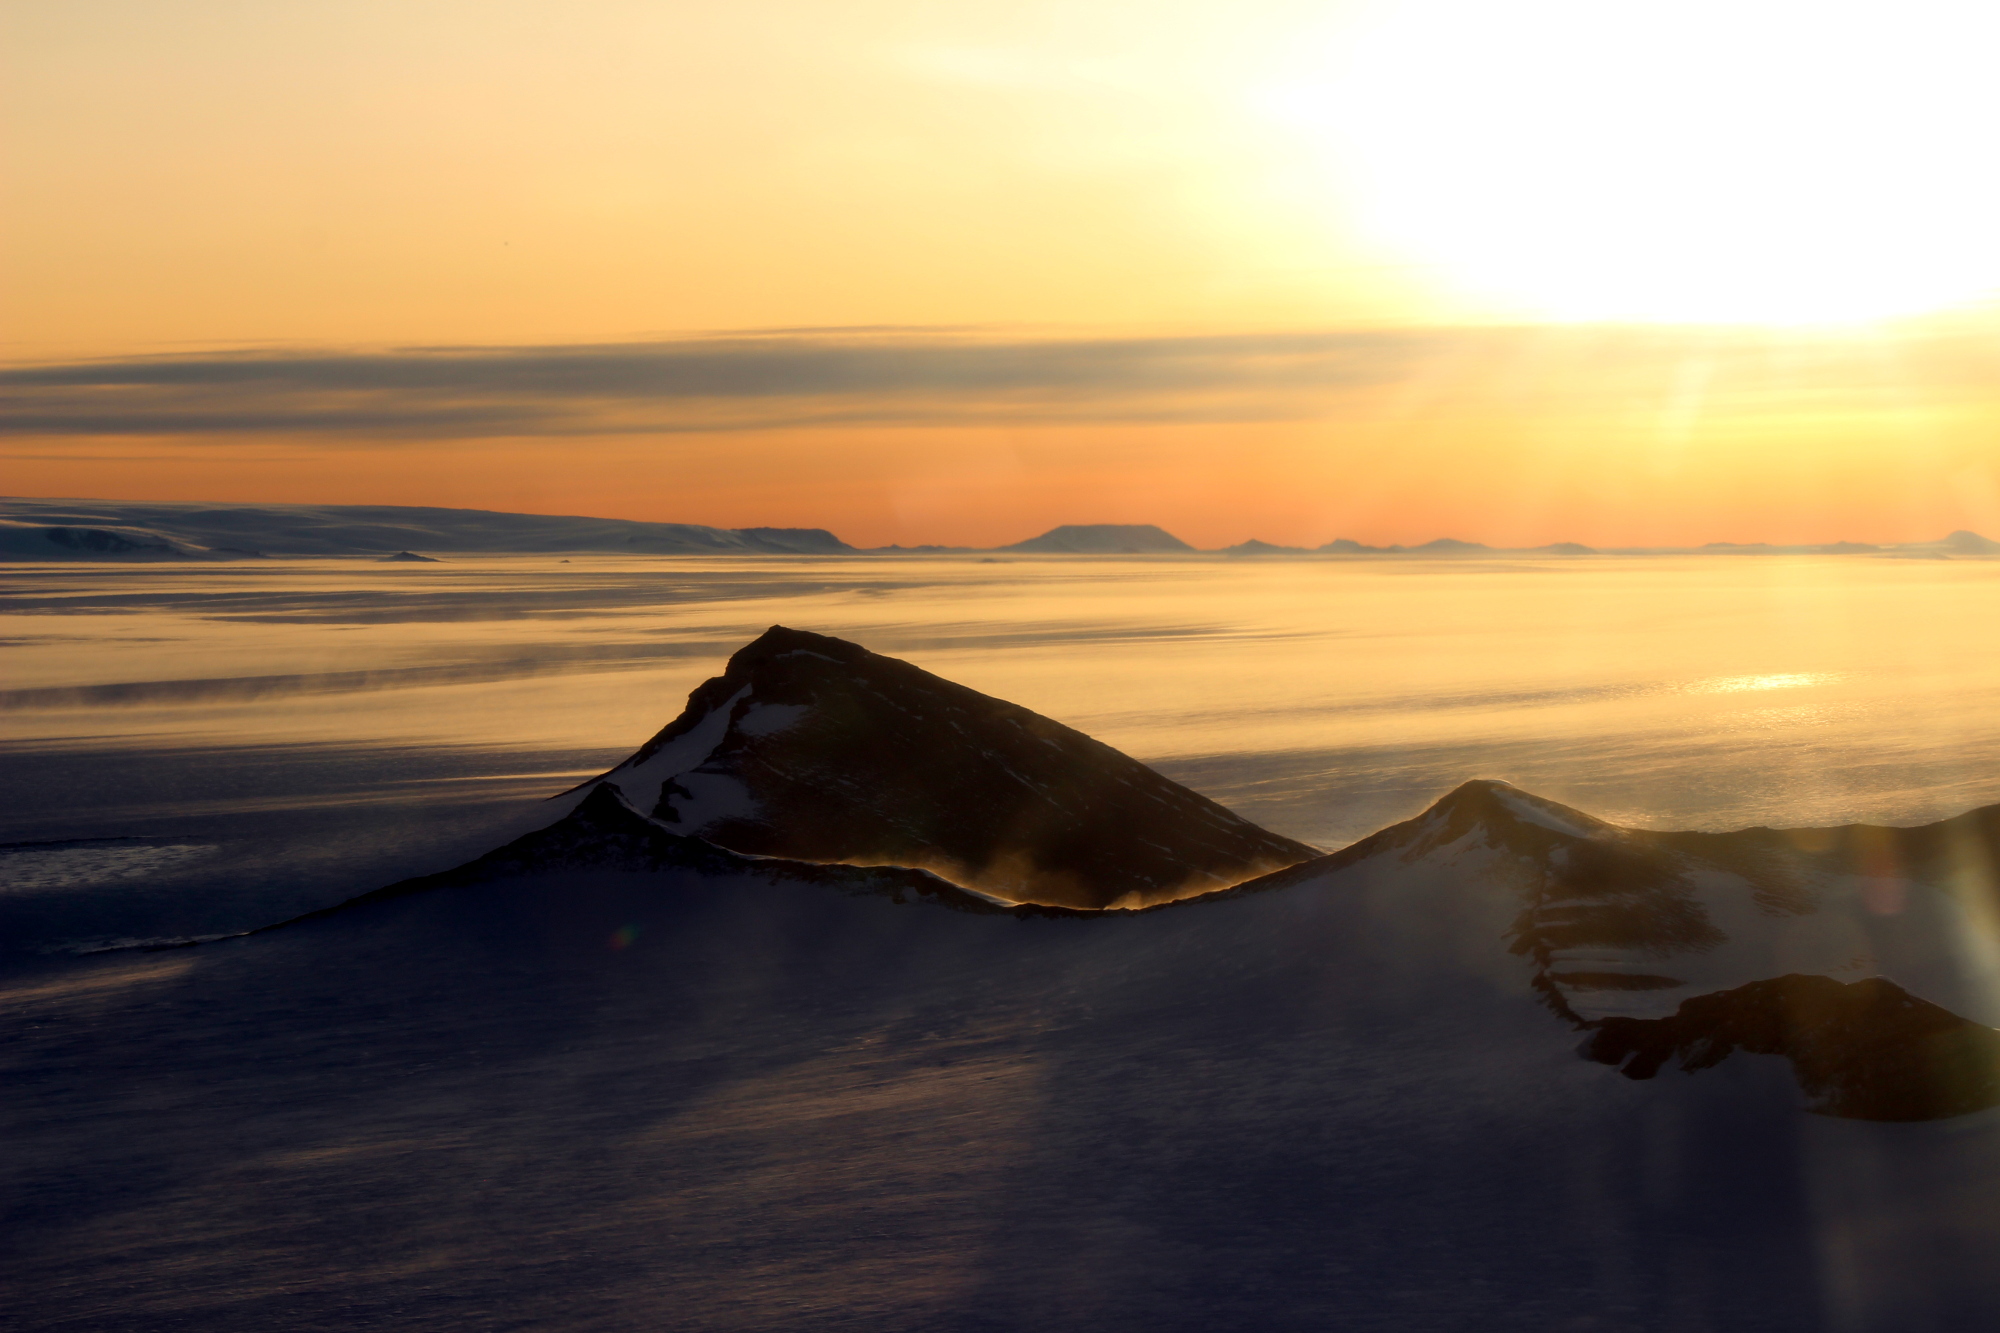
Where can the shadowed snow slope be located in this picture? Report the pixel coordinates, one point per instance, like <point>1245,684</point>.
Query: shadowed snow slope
<point>613,1078</point>
<point>1866,955</point>
<point>816,749</point>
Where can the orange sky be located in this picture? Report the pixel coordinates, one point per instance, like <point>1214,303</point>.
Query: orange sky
<point>1379,269</point>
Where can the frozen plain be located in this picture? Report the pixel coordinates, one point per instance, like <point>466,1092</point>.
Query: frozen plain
<point>206,750</point>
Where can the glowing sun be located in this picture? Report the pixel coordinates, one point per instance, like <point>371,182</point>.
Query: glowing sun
<point>1753,160</point>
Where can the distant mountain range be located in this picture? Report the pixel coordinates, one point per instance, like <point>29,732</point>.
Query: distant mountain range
<point>97,530</point>
<point>101,530</point>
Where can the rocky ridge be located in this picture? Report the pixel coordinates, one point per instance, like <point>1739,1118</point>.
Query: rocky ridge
<point>813,748</point>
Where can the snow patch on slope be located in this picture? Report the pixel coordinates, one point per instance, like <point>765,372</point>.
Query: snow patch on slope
<point>770,719</point>
<point>640,782</point>
<point>696,800</point>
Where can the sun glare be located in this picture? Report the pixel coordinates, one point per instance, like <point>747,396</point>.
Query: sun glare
<point>1734,160</point>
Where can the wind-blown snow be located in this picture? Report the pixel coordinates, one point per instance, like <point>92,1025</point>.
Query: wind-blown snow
<point>1538,812</point>
<point>84,866</point>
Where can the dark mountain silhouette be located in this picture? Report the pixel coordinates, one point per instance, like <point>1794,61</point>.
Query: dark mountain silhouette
<point>408,557</point>
<point>92,542</point>
<point>1255,547</point>
<point>805,541</point>
<point>165,530</point>
<point>1439,546</point>
<point>1102,539</point>
<point>1970,543</point>
<point>815,749</point>
<point>1866,1050</point>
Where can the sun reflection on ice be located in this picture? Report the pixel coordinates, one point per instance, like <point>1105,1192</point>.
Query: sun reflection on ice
<point>1794,680</point>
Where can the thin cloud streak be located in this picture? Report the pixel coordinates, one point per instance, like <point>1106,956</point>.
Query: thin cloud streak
<point>848,378</point>
<point>699,385</point>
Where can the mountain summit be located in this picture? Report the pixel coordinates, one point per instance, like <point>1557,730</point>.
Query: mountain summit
<point>815,749</point>
<point>1831,947</point>
<point>1102,539</point>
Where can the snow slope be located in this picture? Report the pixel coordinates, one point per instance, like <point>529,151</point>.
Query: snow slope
<point>613,1078</point>
<point>1864,955</point>
<point>1500,1068</point>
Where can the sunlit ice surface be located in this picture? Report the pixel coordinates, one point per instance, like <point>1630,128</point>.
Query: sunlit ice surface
<point>428,1078</point>
<point>1322,697</point>
<point>1781,162</point>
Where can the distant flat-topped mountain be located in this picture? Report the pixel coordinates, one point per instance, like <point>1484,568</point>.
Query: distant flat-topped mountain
<point>1102,539</point>
<point>1437,546</point>
<point>114,530</point>
<point>816,749</point>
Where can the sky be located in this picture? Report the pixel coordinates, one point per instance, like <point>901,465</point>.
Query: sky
<point>937,271</point>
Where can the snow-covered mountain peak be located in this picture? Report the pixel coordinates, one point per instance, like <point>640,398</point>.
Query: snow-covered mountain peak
<point>1501,815</point>
<point>816,749</point>
<point>1625,922</point>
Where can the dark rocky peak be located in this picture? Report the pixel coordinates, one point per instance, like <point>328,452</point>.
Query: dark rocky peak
<point>1504,815</point>
<point>804,541</point>
<point>108,541</point>
<point>1256,547</point>
<point>1585,883</point>
<point>1864,1050</point>
<point>1483,813</point>
<point>815,749</point>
